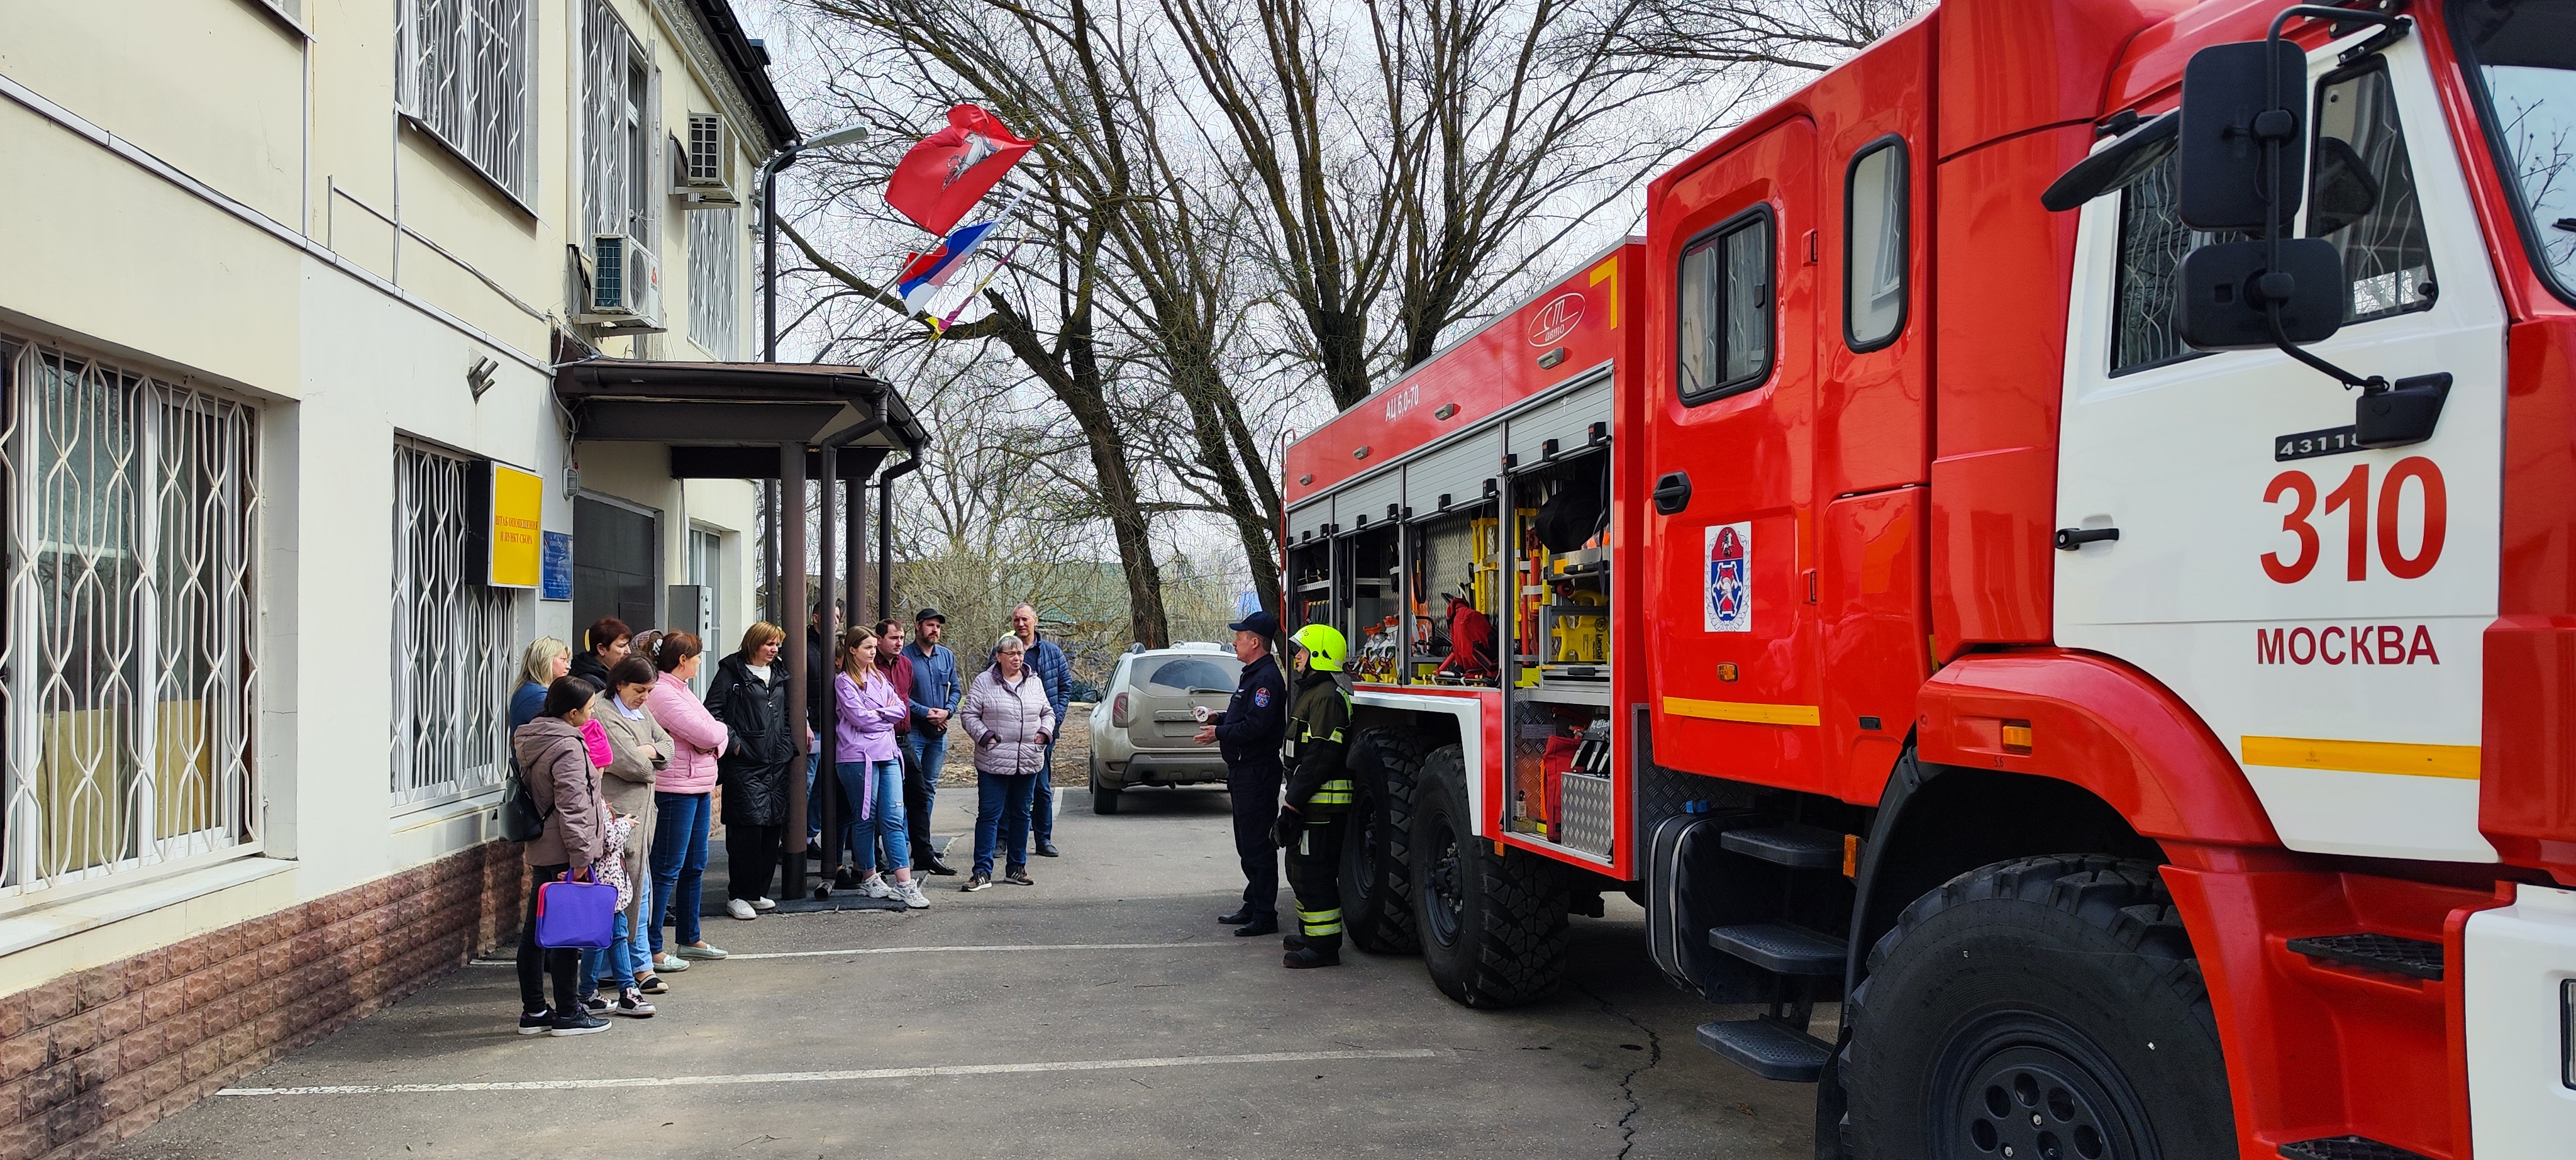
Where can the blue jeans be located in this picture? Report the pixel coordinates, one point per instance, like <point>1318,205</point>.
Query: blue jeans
<point>1042,798</point>
<point>878,841</point>
<point>928,749</point>
<point>615,959</point>
<point>639,951</point>
<point>1002,817</point>
<point>813,817</point>
<point>679,861</point>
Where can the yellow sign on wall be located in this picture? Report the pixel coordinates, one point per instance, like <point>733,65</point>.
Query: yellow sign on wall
<point>515,536</point>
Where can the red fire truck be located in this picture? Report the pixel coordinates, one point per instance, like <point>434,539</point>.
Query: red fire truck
<point>2057,547</point>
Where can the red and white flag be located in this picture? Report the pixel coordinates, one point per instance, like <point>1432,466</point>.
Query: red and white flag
<point>950,170</point>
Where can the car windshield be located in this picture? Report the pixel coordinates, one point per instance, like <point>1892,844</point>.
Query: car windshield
<point>1184,674</point>
<point>2524,57</point>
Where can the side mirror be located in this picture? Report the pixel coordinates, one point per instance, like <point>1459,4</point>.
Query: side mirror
<point>2240,103</point>
<point>2226,292</point>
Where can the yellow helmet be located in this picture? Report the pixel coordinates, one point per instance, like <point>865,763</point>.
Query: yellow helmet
<point>1324,647</point>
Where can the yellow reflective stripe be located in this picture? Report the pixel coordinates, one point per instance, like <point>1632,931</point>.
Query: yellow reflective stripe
<point>1337,735</point>
<point>2341,756</point>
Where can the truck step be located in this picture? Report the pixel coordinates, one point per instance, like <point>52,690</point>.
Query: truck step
<point>2333,1147</point>
<point>1779,947</point>
<point>1797,847</point>
<point>1768,1048</point>
<point>2411,957</point>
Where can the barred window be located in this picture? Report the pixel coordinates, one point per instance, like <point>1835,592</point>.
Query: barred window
<point>454,664</point>
<point>618,128</point>
<point>130,645</point>
<point>715,257</point>
<point>463,70</point>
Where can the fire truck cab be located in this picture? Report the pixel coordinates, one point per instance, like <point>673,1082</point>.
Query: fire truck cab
<point>2050,568</point>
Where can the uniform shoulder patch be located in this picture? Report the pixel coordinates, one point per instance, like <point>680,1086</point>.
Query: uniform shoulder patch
<point>1261,697</point>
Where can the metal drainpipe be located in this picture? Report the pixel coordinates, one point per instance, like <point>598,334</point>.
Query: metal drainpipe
<point>791,510</point>
<point>825,799</point>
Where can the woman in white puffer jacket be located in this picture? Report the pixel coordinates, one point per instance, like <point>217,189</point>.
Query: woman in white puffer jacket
<point>1007,715</point>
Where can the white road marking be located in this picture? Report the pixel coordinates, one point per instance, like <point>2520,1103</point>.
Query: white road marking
<point>651,1081</point>
<point>739,956</point>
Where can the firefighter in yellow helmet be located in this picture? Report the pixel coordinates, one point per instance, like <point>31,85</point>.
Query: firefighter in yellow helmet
<point>1316,816</point>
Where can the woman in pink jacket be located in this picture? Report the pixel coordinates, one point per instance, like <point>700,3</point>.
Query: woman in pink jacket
<point>680,798</point>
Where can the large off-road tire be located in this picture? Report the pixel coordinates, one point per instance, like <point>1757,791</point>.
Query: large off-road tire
<point>1377,857</point>
<point>1104,799</point>
<point>2038,1007</point>
<point>1492,926</point>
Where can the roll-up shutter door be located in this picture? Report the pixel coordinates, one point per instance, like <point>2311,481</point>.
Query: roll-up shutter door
<point>1458,471</point>
<point>1309,519</point>
<point>1568,421</point>
<point>1367,501</point>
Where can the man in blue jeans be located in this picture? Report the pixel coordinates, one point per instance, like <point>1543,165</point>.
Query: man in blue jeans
<point>1049,663</point>
<point>934,695</point>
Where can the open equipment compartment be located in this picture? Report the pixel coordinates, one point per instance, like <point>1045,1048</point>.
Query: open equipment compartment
<point>1453,583</point>
<point>1561,628</point>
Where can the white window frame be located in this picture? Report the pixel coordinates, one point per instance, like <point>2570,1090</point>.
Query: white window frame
<point>480,107</point>
<point>166,477</point>
<point>454,649</point>
<point>715,281</point>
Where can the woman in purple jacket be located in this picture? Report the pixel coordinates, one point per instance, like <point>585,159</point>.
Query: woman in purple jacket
<point>871,774</point>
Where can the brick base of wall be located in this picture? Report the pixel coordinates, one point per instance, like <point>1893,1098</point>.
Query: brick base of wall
<point>91,1058</point>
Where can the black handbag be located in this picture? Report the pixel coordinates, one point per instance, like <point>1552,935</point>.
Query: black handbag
<point>521,819</point>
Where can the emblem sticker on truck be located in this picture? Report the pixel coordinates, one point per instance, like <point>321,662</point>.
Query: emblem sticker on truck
<point>1730,578</point>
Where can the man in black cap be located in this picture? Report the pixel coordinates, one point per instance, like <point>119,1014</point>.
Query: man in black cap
<point>934,693</point>
<point>1248,733</point>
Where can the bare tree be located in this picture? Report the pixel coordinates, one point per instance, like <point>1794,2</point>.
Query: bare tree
<point>1800,35</point>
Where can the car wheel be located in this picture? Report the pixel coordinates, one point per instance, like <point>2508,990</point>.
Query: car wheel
<point>1493,926</point>
<point>2039,1007</point>
<point>1377,870</point>
<point>1104,798</point>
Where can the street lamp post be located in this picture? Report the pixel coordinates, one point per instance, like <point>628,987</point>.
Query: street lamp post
<point>769,227</point>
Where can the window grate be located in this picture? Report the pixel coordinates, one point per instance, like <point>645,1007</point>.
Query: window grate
<point>452,661</point>
<point>130,645</point>
<point>715,259</point>
<point>464,73</point>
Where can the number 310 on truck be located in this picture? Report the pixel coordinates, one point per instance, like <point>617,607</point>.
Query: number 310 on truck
<point>2049,570</point>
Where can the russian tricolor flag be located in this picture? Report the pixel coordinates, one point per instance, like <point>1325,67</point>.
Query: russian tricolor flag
<point>927,273</point>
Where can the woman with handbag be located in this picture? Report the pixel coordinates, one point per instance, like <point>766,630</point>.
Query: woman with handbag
<point>749,695</point>
<point>554,762</point>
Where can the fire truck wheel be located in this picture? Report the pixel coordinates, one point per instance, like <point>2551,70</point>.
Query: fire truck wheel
<point>1492,926</point>
<point>2039,1007</point>
<point>1377,863</point>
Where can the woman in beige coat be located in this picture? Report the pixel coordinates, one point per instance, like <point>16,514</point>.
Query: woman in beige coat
<point>640,747</point>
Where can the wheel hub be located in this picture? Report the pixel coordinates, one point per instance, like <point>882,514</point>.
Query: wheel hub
<point>2035,1101</point>
<point>1444,887</point>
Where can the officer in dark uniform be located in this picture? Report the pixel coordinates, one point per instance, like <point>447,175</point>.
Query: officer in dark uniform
<point>1316,815</point>
<point>1247,735</point>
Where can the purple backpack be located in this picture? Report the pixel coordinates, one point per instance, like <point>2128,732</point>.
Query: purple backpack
<point>576,915</point>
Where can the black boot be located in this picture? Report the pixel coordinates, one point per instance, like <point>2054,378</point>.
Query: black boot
<point>1257,926</point>
<point>1241,916</point>
<point>1307,957</point>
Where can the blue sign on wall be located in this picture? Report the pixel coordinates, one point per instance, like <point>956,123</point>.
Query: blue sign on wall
<point>557,562</point>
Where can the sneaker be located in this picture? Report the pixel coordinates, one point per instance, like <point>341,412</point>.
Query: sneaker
<point>910,892</point>
<point>579,1023</point>
<point>670,964</point>
<point>630,1002</point>
<point>764,905</point>
<point>652,985</point>
<point>1019,876</point>
<point>1046,849</point>
<point>536,1022</point>
<point>875,886</point>
<point>593,1003</point>
<point>978,882</point>
<point>699,950</point>
<point>740,909</point>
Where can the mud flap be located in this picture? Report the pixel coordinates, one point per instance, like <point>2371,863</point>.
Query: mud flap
<point>1688,890</point>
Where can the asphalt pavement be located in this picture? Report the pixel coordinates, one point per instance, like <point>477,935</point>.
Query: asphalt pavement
<point>1100,1012</point>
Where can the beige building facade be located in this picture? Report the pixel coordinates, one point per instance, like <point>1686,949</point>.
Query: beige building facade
<point>280,282</point>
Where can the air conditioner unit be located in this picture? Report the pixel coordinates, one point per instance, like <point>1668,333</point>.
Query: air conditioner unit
<point>706,164</point>
<point>625,286</point>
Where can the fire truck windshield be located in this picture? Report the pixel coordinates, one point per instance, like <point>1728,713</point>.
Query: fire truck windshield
<point>2524,59</point>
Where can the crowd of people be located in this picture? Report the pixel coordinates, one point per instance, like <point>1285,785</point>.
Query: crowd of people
<point>630,769</point>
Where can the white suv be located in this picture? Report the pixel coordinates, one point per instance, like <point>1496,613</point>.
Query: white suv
<point>1143,727</point>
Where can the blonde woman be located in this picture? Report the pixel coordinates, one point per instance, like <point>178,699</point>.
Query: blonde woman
<point>546,660</point>
<point>749,697</point>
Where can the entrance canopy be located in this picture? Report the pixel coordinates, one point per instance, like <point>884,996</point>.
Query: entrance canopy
<point>727,420</point>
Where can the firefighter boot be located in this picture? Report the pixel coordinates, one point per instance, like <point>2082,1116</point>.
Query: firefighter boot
<point>1306,956</point>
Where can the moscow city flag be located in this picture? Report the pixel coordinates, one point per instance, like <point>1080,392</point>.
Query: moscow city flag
<point>950,170</point>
